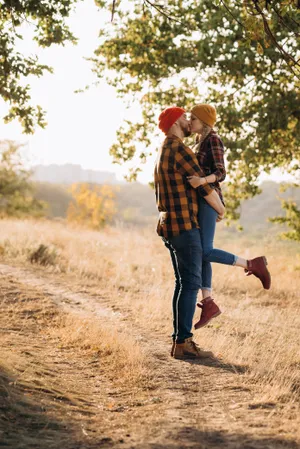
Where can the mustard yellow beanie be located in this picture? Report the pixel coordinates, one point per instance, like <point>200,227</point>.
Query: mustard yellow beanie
<point>206,113</point>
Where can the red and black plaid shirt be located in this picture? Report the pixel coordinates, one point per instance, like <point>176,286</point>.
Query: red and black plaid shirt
<point>175,197</point>
<point>210,155</point>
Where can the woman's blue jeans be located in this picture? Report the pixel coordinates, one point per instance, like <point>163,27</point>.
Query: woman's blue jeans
<point>186,255</point>
<point>207,217</point>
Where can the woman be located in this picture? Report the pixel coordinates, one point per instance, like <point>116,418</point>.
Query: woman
<point>210,154</point>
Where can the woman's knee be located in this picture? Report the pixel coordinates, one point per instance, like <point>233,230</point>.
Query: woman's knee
<point>207,250</point>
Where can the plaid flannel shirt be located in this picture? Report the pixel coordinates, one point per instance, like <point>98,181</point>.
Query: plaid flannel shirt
<point>210,156</point>
<point>176,199</point>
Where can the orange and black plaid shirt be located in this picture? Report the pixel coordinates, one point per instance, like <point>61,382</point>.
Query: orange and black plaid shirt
<point>176,199</point>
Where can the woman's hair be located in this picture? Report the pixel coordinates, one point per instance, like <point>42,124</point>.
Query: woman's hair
<point>205,131</point>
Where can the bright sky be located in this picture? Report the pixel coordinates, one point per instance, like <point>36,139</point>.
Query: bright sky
<point>81,127</point>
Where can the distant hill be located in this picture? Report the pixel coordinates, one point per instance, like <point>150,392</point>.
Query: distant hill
<point>136,203</point>
<point>255,212</point>
<point>71,173</point>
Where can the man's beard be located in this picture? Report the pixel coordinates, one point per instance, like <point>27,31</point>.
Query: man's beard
<point>186,132</point>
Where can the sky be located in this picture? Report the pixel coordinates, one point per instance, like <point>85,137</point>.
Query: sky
<point>81,127</point>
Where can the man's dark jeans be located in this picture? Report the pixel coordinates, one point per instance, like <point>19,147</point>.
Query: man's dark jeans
<point>186,255</point>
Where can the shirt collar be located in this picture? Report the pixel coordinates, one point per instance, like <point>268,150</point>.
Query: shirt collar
<point>173,137</point>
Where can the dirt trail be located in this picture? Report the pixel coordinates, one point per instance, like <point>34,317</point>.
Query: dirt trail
<point>190,404</point>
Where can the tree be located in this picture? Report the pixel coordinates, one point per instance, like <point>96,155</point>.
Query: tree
<point>93,205</point>
<point>252,79</point>
<point>245,52</point>
<point>16,190</point>
<point>291,219</point>
<point>47,20</point>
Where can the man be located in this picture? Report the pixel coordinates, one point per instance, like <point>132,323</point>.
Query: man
<point>178,226</point>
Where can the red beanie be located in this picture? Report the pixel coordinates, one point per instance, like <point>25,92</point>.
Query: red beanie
<point>168,117</point>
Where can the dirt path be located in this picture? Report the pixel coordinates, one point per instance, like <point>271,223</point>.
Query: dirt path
<point>54,397</point>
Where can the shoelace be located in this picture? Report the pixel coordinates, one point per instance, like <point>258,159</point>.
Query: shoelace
<point>195,346</point>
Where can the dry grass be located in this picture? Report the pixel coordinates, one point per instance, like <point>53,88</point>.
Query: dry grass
<point>56,368</point>
<point>258,329</point>
<point>25,310</point>
<point>123,353</point>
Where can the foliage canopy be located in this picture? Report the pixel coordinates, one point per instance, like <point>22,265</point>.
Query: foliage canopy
<point>16,189</point>
<point>224,46</point>
<point>242,56</point>
<point>47,20</point>
<point>92,205</point>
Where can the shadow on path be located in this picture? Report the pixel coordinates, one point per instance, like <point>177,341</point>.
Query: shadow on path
<point>218,363</point>
<point>25,424</point>
<point>192,438</point>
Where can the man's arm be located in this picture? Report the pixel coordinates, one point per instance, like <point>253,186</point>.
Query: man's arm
<point>215,202</point>
<point>187,165</point>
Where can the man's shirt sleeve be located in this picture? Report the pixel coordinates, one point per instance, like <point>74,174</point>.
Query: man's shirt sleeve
<point>187,165</point>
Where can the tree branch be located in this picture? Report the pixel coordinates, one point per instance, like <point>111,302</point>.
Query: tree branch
<point>160,10</point>
<point>113,10</point>
<point>228,10</point>
<point>269,33</point>
<point>283,21</point>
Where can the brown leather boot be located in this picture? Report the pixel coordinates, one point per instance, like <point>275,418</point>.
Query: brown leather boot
<point>190,350</point>
<point>258,267</point>
<point>173,348</point>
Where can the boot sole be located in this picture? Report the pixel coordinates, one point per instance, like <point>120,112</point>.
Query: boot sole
<point>211,318</point>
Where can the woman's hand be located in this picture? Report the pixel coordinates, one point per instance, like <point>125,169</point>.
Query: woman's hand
<point>220,210</point>
<point>220,217</point>
<point>196,181</point>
